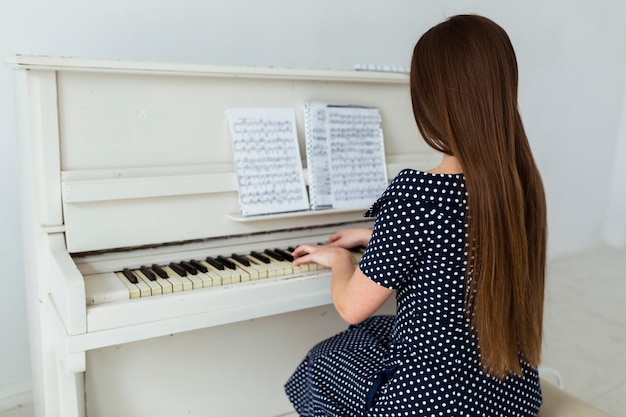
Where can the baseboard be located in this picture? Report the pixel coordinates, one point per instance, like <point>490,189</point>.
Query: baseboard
<point>16,401</point>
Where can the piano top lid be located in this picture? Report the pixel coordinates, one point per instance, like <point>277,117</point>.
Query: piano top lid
<point>38,62</point>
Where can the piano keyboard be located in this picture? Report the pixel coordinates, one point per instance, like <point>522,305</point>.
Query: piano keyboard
<point>191,274</point>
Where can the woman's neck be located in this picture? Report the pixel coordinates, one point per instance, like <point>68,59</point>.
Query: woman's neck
<point>449,165</point>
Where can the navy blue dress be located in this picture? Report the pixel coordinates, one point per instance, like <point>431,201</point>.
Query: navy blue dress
<point>424,361</point>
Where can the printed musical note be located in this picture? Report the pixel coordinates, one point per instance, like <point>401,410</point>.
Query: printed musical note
<point>267,160</point>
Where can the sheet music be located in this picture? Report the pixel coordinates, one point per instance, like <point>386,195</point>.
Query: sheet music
<point>267,160</point>
<point>317,157</point>
<point>358,172</point>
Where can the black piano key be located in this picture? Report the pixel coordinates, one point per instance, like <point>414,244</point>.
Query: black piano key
<point>189,267</point>
<point>273,254</point>
<point>199,266</point>
<point>148,273</point>
<point>228,264</point>
<point>215,263</point>
<point>260,257</point>
<point>159,271</point>
<point>284,254</point>
<point>240,259</point>
<point>130,276</point>
<point>178,269</point>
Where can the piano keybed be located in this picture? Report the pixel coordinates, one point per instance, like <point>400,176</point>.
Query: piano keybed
<point>156,279</point>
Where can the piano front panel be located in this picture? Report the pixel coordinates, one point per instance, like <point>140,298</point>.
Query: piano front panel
<point>225,371</point>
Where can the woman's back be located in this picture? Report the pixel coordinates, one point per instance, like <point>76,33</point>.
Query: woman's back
<point>418,248</point>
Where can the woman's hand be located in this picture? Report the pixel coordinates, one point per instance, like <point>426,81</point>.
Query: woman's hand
<point>350,238</point>
<point>325,255</point>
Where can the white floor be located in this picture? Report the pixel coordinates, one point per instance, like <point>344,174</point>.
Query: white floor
<point>585,328</point>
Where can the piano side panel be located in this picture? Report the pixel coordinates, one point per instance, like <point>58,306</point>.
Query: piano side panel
<point>36,101</point>
<point>43,134</point>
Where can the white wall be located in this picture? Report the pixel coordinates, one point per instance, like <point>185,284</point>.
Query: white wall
<point>615,226</point>
<point>572,82</point>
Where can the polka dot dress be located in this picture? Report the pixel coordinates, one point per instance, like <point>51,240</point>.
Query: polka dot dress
<point>424,361</point>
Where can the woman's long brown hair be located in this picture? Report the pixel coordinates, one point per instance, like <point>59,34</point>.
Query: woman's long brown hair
<point>464,94</point>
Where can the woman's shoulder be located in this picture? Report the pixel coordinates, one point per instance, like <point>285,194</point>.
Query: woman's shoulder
<point>441,191</point>
<point>427,186</point>
<point>421,187</point>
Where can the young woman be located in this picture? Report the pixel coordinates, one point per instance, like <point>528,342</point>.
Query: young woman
<point>463,246</point>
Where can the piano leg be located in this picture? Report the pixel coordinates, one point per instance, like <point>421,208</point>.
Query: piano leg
<point>72,394</point>
<point>59,387</point>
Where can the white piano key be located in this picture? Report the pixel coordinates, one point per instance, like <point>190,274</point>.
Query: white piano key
<point>187,283</point>
<point>252,273</point>
<point>227,276</point>
<point>166,285</point>
<point>258,265</point>
<point>197,281</point>
<point>296,269</point>
<point>155,288</point>
<point>275,267</point>
<point>252,270</point>
<point>174,279</point>
<point>278,267</point>
<point>245,273</point>
<point>237,274</point>
<point>211,279</point>
<point>201,280</point>
<point>133,289</point>
<point>144,289</point>
<point>282,267</point>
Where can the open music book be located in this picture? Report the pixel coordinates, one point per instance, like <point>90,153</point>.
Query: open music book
<point>344,152</point>
<point>345,155</point>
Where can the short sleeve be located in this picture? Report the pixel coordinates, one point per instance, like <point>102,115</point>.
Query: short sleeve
<point>393,251</point>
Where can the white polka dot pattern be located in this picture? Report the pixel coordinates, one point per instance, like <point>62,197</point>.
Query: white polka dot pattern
<point>424,361</point>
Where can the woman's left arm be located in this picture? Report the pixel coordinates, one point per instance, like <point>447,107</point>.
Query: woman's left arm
<point>355,296</point>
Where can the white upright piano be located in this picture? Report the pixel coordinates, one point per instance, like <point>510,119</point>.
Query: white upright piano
<point>127,170</point>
